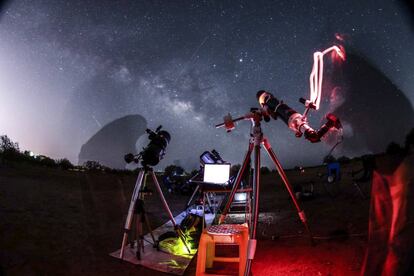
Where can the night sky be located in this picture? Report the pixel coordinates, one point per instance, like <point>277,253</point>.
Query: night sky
<point>67,68</point>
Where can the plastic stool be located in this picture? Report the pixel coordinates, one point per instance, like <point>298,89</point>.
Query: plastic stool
<point>237,234</point>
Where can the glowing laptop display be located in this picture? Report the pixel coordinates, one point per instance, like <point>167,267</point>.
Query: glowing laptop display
<point>216,173</point>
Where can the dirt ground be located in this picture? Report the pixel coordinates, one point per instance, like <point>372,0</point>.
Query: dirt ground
<point>55,222</point>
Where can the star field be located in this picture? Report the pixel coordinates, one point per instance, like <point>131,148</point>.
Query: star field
<point>70,67</point>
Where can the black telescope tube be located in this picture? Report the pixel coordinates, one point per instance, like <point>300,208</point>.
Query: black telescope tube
<point>274,107</point>
<point>293,119</point>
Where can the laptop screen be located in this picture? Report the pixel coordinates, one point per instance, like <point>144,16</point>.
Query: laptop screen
<point>216,173</point>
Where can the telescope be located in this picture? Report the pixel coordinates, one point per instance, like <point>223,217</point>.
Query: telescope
<point>294,120</point>
<point>271,107</point>
<point>154,152</point>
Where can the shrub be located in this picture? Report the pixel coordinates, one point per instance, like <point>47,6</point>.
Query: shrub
<point>173,170</point>
<point>329,159</point>
<point>394,148</point>
<point>93,165</point>
<point>46,161</point>
<point>235,169</point>
<point>65,164</point>
<point>264,170</point>
<point>344,160</point>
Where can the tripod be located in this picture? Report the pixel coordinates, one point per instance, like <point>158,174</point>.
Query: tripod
<point>256,140</point>
<point>136,201</point>
<point>140,218</point>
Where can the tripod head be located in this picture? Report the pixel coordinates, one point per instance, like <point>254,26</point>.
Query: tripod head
<point>256,115</point>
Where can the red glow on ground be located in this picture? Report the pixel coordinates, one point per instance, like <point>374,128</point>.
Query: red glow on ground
<point>298,257</point>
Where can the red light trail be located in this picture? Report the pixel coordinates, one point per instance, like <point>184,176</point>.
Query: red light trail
<point>316,76</point>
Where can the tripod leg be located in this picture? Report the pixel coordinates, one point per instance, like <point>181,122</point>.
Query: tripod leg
<point>255,210</point>
<point>204,210</point>
<point>210,205</point>
<point>167,208</point>
<point>140,238</point>
<point>236,183</point>
<point>358,187</point>
<point>149,227</point>
<point>135,233</point>
<point>128,221</point>
<point>192,197</point>
<point>164,202</point>
<point>132,237</point>
<point>285,180</point>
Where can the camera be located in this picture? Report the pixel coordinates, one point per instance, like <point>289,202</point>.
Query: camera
<point>154,152</point>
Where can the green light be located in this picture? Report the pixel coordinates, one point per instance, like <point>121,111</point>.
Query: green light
<point>176,247</point>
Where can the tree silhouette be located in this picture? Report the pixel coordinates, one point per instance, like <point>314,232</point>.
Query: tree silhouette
<point>93,165</point>
<point>173,170</point>
<point>65,164</point>
<point>264,170</point>
<point>6,144</point>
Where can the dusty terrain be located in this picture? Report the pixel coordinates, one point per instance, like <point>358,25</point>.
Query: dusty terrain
<point>55,222</point>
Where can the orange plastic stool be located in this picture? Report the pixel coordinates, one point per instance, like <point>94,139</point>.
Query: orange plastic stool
<point>222,234</point>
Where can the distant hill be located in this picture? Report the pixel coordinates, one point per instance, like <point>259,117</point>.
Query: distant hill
<point>109,145</point>
<point>367,101</point>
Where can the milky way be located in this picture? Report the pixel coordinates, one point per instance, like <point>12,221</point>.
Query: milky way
<point>69,67</point>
